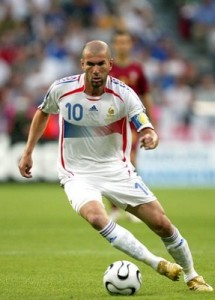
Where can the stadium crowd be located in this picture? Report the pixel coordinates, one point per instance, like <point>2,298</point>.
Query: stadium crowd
<point>41,41</point>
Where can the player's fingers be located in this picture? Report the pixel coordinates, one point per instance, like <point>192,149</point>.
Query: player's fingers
<point>146,140</point>
<point>148,143</point>
<point>28,172</point>
<point>25,171</point>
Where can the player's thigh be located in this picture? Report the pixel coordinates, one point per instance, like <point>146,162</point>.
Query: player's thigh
<point>129,191</point>
<point>80,192</point>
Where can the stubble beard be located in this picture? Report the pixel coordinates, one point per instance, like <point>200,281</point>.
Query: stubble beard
<point>97,85</point>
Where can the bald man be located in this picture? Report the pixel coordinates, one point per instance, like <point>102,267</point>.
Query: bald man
<point>94,160</point>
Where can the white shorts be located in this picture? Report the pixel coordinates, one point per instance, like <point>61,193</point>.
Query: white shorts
<point>131,191</point>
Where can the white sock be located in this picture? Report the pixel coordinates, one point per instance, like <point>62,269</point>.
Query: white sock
<point>123,240</point>
<point>178,248</point>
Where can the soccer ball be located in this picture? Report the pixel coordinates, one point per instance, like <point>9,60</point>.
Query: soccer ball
<point>122,278</point>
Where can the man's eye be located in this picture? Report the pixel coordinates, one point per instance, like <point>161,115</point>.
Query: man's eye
<point>91,64</point>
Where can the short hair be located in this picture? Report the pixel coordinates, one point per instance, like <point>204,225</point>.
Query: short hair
<point>96,46</point>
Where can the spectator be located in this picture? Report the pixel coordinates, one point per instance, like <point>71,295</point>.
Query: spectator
<point>187,11</point>
<point>138,17</point>
<point>176,106</point>
<point>203,20</point>
<point>204,108</point>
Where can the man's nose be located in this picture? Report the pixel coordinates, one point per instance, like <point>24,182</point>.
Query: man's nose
<point>96,69</point>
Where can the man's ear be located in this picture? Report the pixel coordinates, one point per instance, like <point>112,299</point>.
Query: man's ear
<point>82,63</point>
<point>111,63</point>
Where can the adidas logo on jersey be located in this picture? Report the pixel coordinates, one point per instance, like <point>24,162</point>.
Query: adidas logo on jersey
<point>93,108</point>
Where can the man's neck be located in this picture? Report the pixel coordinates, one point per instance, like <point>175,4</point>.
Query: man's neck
<point>90,91</point>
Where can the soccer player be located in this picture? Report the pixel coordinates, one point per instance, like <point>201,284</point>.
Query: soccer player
<point>129,71</point>
<point>94,139</point>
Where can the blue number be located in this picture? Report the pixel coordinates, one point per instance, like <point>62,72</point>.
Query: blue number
<point>143,188</point>
<point>75,111</point>
<point>68,105</point>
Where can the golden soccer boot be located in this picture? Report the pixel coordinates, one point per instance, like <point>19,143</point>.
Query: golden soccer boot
<point>170,270</point>
<point>198,284</point>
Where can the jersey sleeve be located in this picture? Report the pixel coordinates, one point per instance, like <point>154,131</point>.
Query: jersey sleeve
<point>50,103</point>
<point>134,104</point>
<point>137,112</point>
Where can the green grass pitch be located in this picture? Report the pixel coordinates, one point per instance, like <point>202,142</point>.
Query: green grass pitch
<point>47,252</point>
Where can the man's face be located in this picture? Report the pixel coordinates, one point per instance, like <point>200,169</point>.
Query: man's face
<point>122,44</point>
<point>96,68</point>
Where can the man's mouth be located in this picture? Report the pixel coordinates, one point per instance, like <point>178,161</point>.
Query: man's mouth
<point>97,79</point>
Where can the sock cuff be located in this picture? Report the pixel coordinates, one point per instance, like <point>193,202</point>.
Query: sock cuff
<point>173,237</point>
<point>108,229</point>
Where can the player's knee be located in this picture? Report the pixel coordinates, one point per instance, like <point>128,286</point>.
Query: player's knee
<point>97,221</point>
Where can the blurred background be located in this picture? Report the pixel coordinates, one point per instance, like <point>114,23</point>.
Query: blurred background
<point>41,41</point>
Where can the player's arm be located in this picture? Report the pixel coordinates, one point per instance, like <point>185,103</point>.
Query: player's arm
<point>37,128</point>
<point>148,136</point>
<point>137,114</point>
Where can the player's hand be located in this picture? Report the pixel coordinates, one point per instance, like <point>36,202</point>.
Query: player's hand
<point>25,166</point>
<point>149,139</point>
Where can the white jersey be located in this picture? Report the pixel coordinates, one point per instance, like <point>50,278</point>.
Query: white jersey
<point>95,135</point>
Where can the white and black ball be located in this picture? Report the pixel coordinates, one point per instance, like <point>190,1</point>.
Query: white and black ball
<point>122,278</point>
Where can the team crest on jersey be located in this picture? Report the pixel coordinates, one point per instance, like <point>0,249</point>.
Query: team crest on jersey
<point>111,112</point>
